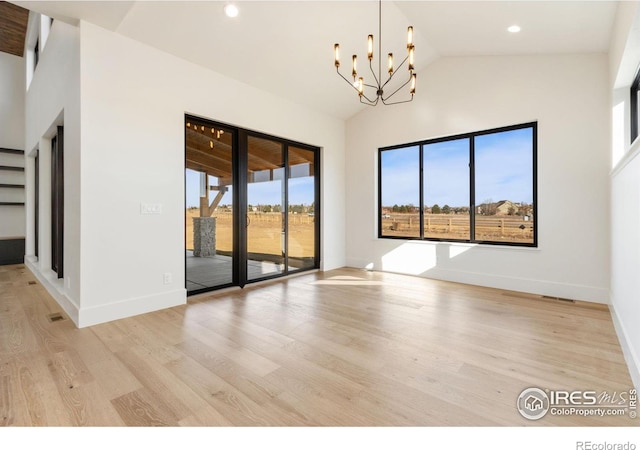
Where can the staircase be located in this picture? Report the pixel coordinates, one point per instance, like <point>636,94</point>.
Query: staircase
<point>12,212</point>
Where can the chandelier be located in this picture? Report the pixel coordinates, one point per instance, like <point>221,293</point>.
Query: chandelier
<point>366,91</point>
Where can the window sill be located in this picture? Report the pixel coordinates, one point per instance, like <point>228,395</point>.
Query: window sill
<point>629,156</point>
<point>467,245</point>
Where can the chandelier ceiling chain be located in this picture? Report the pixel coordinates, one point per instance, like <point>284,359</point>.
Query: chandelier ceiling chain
<point>358,82</point>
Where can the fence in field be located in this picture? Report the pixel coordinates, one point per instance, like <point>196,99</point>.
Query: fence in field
<point>294,219</point>
<point>458,226</point>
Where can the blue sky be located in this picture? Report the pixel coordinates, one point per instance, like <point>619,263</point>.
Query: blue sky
<point>503,171</point>
<point>300,189</point>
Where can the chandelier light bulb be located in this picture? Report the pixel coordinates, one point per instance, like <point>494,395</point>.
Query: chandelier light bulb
<point>411,57</point>
<point>370,47</point>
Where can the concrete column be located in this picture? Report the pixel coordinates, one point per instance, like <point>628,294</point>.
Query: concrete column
<point>204,236</point>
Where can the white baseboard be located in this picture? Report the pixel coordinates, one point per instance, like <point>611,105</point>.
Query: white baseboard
<point>530,286</point>
<point>130,307</point>
<point>55,288</point>
<point>630,354</point>
<point>84,317</point>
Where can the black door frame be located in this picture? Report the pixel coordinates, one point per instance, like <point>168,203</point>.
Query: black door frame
<point>240,190</point>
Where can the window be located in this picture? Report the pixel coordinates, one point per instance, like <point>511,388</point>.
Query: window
<point>36,53</point>
<point>635,116</point>
<point>477,187</point>
<point>36,206</point>
<point>57,202</point>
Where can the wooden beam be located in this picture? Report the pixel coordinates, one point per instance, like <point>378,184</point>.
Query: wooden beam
<point>216,201</point>
<point>208,163</point>
<point>13,28</point>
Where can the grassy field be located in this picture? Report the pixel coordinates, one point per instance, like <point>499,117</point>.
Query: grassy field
<point>265,230</point>
<point>456,226</point>
<point>264,233</point>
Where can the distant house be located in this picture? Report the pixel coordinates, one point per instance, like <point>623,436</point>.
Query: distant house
<point>505,208</point>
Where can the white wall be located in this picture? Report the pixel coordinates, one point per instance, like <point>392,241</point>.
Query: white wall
<point>568,96</point>
<point>53,98</point>
<point>11,101</point>
<point>11,136</point>
<point>133,101</point>
<point>625,189</point>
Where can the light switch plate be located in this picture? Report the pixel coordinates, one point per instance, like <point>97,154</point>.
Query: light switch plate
<point>150,208</point>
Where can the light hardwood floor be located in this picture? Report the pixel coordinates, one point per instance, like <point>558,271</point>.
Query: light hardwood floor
<point>340,348</point>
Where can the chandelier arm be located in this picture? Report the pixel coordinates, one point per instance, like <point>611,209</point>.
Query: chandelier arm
<point>398,102</point>
<point>345,79</point>
<point>374,75</point>
<point>395,72</point>
<point>394,92</point>
<point>369,102</point>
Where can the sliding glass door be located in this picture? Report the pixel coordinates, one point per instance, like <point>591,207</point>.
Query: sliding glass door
<point>251,206</point>
<point>265,214</point>
<point>209,176</point>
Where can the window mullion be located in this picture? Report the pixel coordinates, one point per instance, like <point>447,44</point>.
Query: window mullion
<point>472,190</point>
<point>421,183</point>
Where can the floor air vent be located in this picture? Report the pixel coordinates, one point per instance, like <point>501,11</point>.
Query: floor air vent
<point>566,300</point>
<point>55,317</point>
<point>31,283</point>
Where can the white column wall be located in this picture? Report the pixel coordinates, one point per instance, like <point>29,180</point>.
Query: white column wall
<point>625,187</point>
<point>52,99</point>
<point>12,82</point>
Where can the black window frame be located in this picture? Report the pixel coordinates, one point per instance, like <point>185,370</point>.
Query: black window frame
<point>36,204</point>
<point>36,53</point>
<point>633,106</point>
<point>472,201</point>
<point>57,202</point>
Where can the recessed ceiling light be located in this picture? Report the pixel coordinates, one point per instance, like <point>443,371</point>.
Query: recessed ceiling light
<point>231,10</point>
<point>513,29</point>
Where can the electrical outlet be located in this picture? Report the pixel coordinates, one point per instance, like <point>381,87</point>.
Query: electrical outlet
<point>168,279</point>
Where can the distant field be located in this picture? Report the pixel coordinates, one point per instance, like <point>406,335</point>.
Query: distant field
<point>264,233</point>
<point>456,226</point>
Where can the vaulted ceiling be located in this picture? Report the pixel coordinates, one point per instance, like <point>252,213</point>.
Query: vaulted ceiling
<point>286,47</point>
